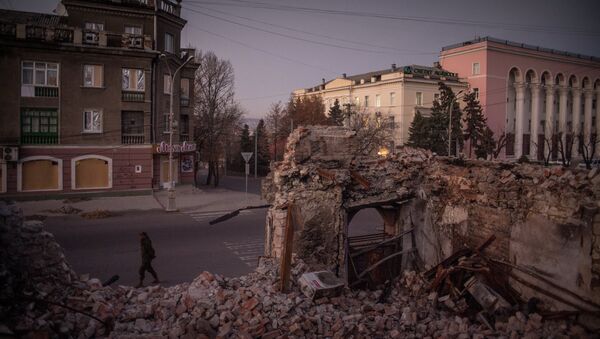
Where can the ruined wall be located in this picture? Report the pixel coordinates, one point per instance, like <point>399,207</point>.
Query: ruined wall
<point>543,218</point>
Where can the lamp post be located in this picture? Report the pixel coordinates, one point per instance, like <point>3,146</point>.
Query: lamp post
<point>171,195</point>
<point>450,120</point>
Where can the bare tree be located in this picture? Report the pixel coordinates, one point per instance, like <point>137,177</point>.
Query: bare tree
<point>565,148</point>
<point>587,148</point>
<point>215,111</point>
<point>500,144</point>
<point>373,131</point>
<point>278,124</point>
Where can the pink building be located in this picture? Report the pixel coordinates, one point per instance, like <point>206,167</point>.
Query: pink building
<point>533,94</point>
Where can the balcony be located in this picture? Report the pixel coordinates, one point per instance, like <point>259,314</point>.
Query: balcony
<point>132,41</point>
<point>48,92</point>
<point>91,37</point>
<point>132,139</point>
<point>185,102</point>
<point>169,7</point>
<point>132,96</point>
<point>8,29</point>
<point>63,35</point>
<point>35,33</point>
<point>39,139</point>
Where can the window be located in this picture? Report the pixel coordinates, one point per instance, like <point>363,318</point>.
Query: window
<point>132,122</point>
<point>419,99</point>
<point>92,121</point>
<point>91,172</point>
<point>39,73</point>
<point>436,96</point>
<point>169,42</point>
<point>476,68</point>
<point>93,75</point>
<point>94,26</point>
<point>39,173</point>
<point>37,121</point>
<point>185,88</point>
<point>392,98</point>
<point>185,124</point>
<point>133,80</point>
<point>366,101</point>
<point>166,123</point>
<point>134,30</point>
<point>378,100</point>
<point>357,101</point>
<point>167,84</point>
<point>476,91</point>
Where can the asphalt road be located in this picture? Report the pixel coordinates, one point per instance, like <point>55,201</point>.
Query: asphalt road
<point>184,246</point>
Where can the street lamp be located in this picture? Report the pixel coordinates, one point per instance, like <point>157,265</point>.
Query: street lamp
<point>450,119</point>
<point>171,195</point>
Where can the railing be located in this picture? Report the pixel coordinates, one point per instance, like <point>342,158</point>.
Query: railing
<point>63,35</point>
<point>169,7</point>
<point>35,32</point>
<point>132,96</point>
<point>8,29</point>
<point>131,139</point>
<point>39,139</point>
<point>51,92</point>
<point>132,41</point>
<point>184,101</point>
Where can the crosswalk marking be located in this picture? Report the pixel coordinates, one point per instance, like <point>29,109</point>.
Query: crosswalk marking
<point>247,250</point>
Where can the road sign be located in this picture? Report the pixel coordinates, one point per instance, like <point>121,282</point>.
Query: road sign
<point>247,156</point>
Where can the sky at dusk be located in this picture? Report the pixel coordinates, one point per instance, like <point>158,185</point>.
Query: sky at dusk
<point>278,46</point>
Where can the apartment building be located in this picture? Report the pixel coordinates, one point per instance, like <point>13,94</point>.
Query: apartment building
<point>533,94</point>
<point>396,93</point>
<point>86,97</point>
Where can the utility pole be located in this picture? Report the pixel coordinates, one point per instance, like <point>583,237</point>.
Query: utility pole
<point>255,151</point>
<point>171,206</point>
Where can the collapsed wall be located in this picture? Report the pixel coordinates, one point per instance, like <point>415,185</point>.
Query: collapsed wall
<point>544,219</point>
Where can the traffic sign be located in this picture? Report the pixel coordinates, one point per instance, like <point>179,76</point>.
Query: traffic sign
<point>247,156</point>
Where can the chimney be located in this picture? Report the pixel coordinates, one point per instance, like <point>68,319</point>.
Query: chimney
<point>344,75</point>
<point>323,80</point>
<point>393,67</point>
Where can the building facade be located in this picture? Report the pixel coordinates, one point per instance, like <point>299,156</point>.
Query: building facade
<point>396,93</point>
<point>87,97</point>
<point>541,98</point>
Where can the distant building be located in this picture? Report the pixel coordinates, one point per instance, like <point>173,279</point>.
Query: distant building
<point>530,93</point>
<point>396,93</point>
<point>86,97</point>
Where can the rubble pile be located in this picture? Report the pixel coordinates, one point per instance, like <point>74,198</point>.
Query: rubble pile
<point>213,306</point>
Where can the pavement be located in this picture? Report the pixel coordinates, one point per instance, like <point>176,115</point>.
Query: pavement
<point>229,196</point>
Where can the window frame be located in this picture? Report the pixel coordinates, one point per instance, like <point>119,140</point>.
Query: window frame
<point>94,75</point>
<point>34,70</point>
<point>90,156</point>
<point>39,117</point>
<point>169,48</point>
<point>93,130</point>
<point>377,100</point>
<point>366,101</point>
<point>476,91</point>
<point>181,91</point>
<point>419,99</point>
<point>126,26</point>
<point>99,24</point>
<point>34,158</point>
<point>166,120</point>
<point>478,68</point>
<point>137,79</point>
<point>3,176</point>
<point>392,98</point>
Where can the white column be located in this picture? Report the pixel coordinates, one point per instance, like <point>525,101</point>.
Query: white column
<point>549,126</point>
<point>535,118</point>
<point>562,113</point>
<point>576,121</point>
<point>520,98</point>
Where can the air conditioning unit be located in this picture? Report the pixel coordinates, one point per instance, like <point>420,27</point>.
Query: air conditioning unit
<point>10,153</point>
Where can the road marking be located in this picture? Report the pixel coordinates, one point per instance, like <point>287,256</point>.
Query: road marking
<point>207,216</point>
<point>247,251</point>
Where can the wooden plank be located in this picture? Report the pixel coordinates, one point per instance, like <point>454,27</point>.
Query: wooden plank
<point>360,179</point>
<point>326,174</point>
<point>286,255</point>
<point>399,236</point>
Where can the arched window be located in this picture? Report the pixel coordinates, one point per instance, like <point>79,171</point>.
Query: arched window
<point>91,172</point>
<point>39,173</point>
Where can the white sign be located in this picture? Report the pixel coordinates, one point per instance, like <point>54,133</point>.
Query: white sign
<point>247,156</point>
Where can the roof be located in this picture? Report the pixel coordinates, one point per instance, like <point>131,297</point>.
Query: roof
<point>418,71</point>
<point>520,45</point>
<point>30,18</point>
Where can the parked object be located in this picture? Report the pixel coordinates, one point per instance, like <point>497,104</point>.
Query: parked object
<point>320,284</point>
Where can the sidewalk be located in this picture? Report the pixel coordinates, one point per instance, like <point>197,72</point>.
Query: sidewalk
<point>188,198</point>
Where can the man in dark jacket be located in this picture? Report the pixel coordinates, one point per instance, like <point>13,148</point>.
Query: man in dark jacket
<point>147,256</point>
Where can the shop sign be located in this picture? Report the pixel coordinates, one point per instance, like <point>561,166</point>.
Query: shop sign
<point>164,148</point>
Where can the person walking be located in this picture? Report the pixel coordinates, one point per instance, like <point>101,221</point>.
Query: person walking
<point>148,255</point>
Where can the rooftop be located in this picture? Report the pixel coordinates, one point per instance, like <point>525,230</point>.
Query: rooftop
<point>30,18</point>
<point>521,45</point>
